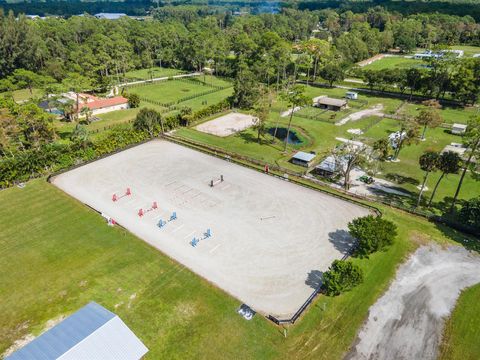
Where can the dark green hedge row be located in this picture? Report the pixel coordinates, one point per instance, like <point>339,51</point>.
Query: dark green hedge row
<point>211,110</point>
<point>56,156</point>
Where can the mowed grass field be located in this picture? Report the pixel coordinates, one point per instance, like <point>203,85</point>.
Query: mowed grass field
<point>25,94</point>
<point>174,90</point>
<point>467,49</point>
<point>449,114</point>
<point>460,340</point>
<point>393,62</point>
<point>57,255</point>
<point>155,72</point>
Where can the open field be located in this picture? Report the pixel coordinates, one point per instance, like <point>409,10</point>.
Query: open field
<point>24,94</point>
<point>175,90</point>
<point>168,91</point>
<point>155,72</point>
<point>264,249</point>
<point>449,114</point>
<point>393,62</point>
<point>468,50</point>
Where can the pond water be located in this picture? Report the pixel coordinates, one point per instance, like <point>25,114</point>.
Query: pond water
<point>282,133</point>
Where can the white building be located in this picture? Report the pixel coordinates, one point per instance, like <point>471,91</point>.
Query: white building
<point>110,16</point>
<point>459,129</point>
<point>351,95</point>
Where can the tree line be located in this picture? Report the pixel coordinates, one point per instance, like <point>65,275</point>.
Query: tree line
<point>438,77</point>
<point>190,38</point>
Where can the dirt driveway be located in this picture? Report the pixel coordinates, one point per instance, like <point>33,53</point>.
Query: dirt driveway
<point>407,321</point>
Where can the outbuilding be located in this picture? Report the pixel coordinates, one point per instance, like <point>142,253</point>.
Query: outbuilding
<point>303,159</point>
<point>325,102</point>
<point>327,168</point>
<point>91,333</point>
<point>459,129</point>
<point>351,95</point>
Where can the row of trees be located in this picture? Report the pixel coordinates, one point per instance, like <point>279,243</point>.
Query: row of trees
<point>459,78</point>
<point>270,46</point>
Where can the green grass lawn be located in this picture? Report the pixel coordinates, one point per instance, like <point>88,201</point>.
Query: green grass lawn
<point>407,171</point>
<point>393,62</point>
<point>172,91</point>
<point>57,255</point>
<point>24,94</point>
<point>365,100</point>
<point>449,114</point>
<point>155,72</point>
<point>460,340</point>
<point>468,50</point>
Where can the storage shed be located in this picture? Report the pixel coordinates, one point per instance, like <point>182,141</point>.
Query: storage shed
<point>328,103</point>
<point>91,333</point>
<point>459,129</point>
<point>303,159</point>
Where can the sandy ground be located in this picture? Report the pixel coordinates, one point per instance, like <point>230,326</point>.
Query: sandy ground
<point>376,110</point>
<point>407,321</point>
<point>271,239</point>
<point>380,185</point>
<point>289,111</point>
<point>227,124</point>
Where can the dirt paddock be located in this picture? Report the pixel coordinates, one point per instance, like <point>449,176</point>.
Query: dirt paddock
<point>227,124</point>
<point>271,239</point>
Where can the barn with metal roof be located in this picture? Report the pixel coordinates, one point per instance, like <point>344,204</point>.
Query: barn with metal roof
<point>91,333</point>
<point>303,159</point>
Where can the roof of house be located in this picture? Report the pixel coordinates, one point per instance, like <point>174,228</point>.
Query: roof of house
<point>332,102</point>
<point>303,156</point>
<point>91,333</point>
<point>459,126</point>
<point>460,150</point>
<point>328,164</point>
<point>104,103</point>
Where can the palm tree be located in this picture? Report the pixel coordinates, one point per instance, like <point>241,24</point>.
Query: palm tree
<point>472,140</point>
<point>68,109</point>
<point>295,97</point>
<point>87,113</point>
<point>428,162</point>
<point>448,163</point>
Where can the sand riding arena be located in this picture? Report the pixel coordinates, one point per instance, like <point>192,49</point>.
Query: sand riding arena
<point>226,125</point>
<point>262,239</point>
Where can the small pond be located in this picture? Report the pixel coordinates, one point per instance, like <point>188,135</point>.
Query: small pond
<point>281,134</point>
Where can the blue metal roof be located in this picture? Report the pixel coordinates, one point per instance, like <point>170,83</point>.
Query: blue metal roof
<point>303,156</point>
<point>65,336</point>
